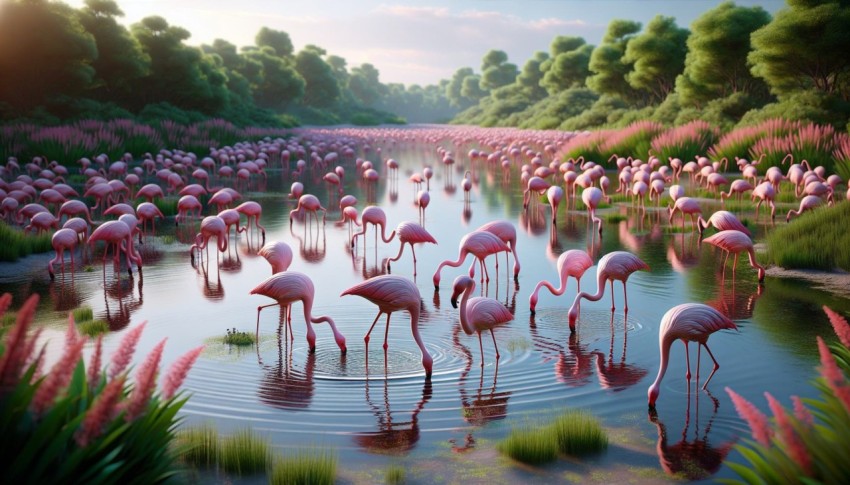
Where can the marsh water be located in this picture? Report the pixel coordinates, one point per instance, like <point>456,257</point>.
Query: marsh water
<point>446,430</point>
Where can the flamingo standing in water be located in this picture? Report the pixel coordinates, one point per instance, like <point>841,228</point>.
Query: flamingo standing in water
<point>309,203</point>
<point>616,265</point>
<point>591,197</point>
<point>733,241</point>
<point>688,322</point>
<point>211,226</point>
<point>116,233</point>
<point>252,210</point>
<point>570,263</point>
<point>393,293</point>
<point>478,243</point>
<point>62,239</point>
<point>555,194</point>
<point>687,206</point>
<point>289,287</point>
<point>373,215</point>
<point>478,314</point>
<point>722,221</point>
<point>410,233</point>
<point>505,231</point>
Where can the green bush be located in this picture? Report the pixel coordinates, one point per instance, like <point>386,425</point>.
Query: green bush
<point>817,239</point>
<point>244,453</point>
<point>82,314</point>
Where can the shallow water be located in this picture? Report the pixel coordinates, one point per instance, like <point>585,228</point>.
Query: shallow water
<point>385,412</point>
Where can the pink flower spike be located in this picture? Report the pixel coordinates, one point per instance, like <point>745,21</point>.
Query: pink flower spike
<point>100,412</point>
<point>177,373</point>
<point>757,421</point>
<point>71,333</point>
<point>94,365</point>
<point>801,412</point>
<point>145,383</point>
<point>833,375</point>
<point>839,325</point>
<point>58,377</point>
<point>121,357</point>
<point>795,446</point>
<point>13,360</point>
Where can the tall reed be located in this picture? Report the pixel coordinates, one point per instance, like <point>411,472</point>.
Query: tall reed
<point>816,240</point>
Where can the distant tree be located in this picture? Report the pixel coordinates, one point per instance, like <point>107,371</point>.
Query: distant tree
<point>607,67</point>
<point>531,75</point>
<point>496,71</point>
<point>804,47</point>
<point>321,89</point>
<point>44,52</point>
<point>365,85</point>
<point>716,62</point>
<point>276,39</point>
<point>568,70</point>
<point>658,56</point>
<point>277,84</point>
<point>471,88</point>
<point>230,57</point>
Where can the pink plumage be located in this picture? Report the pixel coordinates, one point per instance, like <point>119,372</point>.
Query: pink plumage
<point>278,254</point>
<point>478,314</point>
<point>722,221</point>
<point>570,263</point>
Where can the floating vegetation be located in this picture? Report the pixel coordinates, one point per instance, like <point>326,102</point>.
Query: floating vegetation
<point>244,453</point>
<point>199,445</point>
<point>307,467</point>
<point>93,328</point>
<point>234,337</point>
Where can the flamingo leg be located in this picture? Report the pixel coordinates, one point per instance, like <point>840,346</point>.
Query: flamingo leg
<point>716,366</point>
<point>494,345</point>
<point>625,296</point>
<point>484,270</point>
<point>612,295</point>
<point>481,347</point>
<point>688,361</point>
<point>366,338</point>
<point>387,332</point>
<point>735,263</point>
<point>259,309</point>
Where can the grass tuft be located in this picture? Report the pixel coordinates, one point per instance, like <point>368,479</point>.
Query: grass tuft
<point>200,445</point>
<point>816,240</point>
<point>83,314</point>
<point>16,244</point>
<point>317,468</point>
<point>244,453</point>
<point>92,328</point>
<point>394,475</point>
<point>579,433</point>
<point>530,444</point>
<point>614,218</point>
<point>234,337</point>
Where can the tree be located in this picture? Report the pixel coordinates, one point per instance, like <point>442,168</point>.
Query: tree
<point>568,70</point>
<point>608,70</point>
<point>44,52</point>
<point>455,87</point>
<point>658,55</point>
<point>120,61</point>
<point>496,71</point>
<point>471,88</point>
<point>531,75</point>
<point>276,39</point>
<point>716,62</point>
<point>365,85</point>
<point>805,46</point>
<point>321,89</point>
<point>277,84</point>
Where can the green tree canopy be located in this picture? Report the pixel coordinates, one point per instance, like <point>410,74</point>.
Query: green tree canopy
<point>568,70</point>
<point>276,39</point>
<point>321,89</point>
<point>454,89</point>
<point>658,56</point>
<point>277,84</point>
<point>531,75</point>
<point>496,71</point>
<point>607,67</point>
<point>365,85</point>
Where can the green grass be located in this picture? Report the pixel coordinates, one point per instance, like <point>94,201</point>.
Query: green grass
<point>579,433</point>
<point>530,444</point>
<point>244,453</point>
<point>15,244</point>
<point>83,314</point>
<point>305,468</point>
<point>816,240</point>
<point>614,218</point>
<point>167,205</point>
<point>234,337</point>
<point>199,445</point>
<point>394,475</point>
<point>93,328</point>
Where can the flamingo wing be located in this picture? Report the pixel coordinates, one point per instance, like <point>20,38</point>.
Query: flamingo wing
<point>389,292</point>
<point>484,313</point>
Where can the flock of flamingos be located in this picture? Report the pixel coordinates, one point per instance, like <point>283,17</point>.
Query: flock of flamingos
<point>37,198</point>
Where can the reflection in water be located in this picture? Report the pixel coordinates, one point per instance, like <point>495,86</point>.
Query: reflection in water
<point>393,437</point>
<point>683,254</point>
<point>120,292</point>
<point>617,376</point>
<point>65,295</point>
<point>736,305</point>
<point>212,290</point>
<point>574,369</point>
<point>696,459</point>
<point>311,249</point>
<point>283,385</point>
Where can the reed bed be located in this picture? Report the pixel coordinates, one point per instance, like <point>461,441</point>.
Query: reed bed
<point>816,240</point>
<point>244,453</point>
<point>199,445</point>
<point>574,433</point>
<point>92,328</point>
<point>313,468</point>
<point>16,244</point>
<point>685,142</point>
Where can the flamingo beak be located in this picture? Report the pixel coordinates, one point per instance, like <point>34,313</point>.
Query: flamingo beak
<point>454,302</point>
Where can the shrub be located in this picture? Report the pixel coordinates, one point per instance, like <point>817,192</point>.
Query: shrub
<point>816,240</point>
<point>82,314</point>
<point>685,142</point>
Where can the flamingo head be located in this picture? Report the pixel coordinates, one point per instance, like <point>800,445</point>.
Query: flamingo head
<point>652,394</point>
<point>462,283</point>
<point>532,302</point>
<point>340,341</point>
<point>573,315</point>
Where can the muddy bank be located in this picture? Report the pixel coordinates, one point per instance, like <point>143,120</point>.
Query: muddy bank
<point>837,282</point>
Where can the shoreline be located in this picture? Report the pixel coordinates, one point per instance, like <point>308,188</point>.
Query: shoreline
<point>836,281</point>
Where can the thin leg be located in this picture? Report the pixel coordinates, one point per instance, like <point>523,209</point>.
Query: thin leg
<point>688,361</point>
<point>612,295</point>
<point>481,347</point>
<point>494,344</point>
<point>387,332</point>
<point>366,338</point>
<point>259,309</point>
<point>699,355</point>
<point>716,366</point>
<point>735,263</point>
<point>625,297</point>
<point>484,270</point>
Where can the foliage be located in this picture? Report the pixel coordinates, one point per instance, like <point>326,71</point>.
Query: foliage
<point>234,337</point>
<point>658,56</point>
<point>529,444</point>
<point>815,240</point>
<point>93,328</point>
<point>16,244</point>
<point>606,61</point>
<point>305,467</point>
<point>496,71</point>
<point>199,445</point>
<point>633,141</point>
<point>808,445</point>
<point>579,433</point>
<point>244,453</point>
<point>78,423</point>
<point>82,313</point>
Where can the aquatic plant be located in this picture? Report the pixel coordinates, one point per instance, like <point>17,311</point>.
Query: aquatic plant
<point>810,443</point>
<point>635,140</point>
<point>234,337</point>
<point>816,240</point>
<point>167,205</point>
<point>244,452</point>
<point>73,424</point>
<point>306,467</point>
<point>82,314</point>
<point>93,328</point>
<point>614,218</point>
<point>199,445</point>
<point>812,142</point>
<point>394,475</point>
<point>16,244</point>
<point>579,433</point>
<point>530,444</point>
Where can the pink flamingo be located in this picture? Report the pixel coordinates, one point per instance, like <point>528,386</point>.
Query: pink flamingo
<point>765,192</point>
<point>570,263</point>
<point>41,222</point>
<point>535,184</point>
<point>616,265</point>
<point>62,239</point>
<point>686,205</point>
<point>80,228</point>
<point>252,210</point>
<point>478,243</point>
<point>221,200</point>
<point>423,198</point>
<point>410,233</point>
<point>211,226</point>
<point>311,204</point>
<point>231,219</point>
<point>809,202</point>
<point>150,192</point>
<point>466,183</point>
<point>688,322</point>
<point>345,201</point>
<point>193,189</point>
<point>555,194</point>
<point>373,215</point>
<point>117,233</point>
<point>186,205</point>
<point>278,254</point>
<point>289,287</point>
<point>739,187</point>
<point>721,220</point>
<point>296,191</point>
<point>148,212</point>
<point>591,197</point>
<point>393,293</point>
<point>505,231</point>
<point>478,314</point>
<point>732,241</point>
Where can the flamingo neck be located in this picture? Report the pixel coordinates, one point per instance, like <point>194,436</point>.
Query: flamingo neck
<point>464,322</point>
<point>222,244</point>
<point>427,361</point>
<point>664,350</point>
<point>516,259</point>
<point>753,262</point>
<point>601,277</point>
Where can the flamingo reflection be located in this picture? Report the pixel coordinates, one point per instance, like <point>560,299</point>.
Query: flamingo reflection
<point>309,247</point>
<point>393,437</point>
<point>617,376</point>
<point>574,368</point>
<point>738,305</point>
<point>121,291</point>
<point>283,385</point>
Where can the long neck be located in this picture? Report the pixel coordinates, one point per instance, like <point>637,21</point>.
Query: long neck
<point>463,320</point>
<point>516,259</point>
<point>753,262</point>
<point>427,361</point>
<point>222,242</point>
<point>384,232</point>
<point>600,288</point>
<point>664,349</point>
<point>454,264</point>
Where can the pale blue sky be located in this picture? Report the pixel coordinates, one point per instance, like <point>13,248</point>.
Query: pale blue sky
<point>414,42</point>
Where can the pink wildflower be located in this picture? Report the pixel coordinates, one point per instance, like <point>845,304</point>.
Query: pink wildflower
<point>94,365</point>
<point>839,325</point>
<point>802,412</point>
<point>833,375</point>
<point>14,359</point>
<point>58,377</point>
<point>145,383</point>
<point>757,421</point>
<point>795,446</point>
<point>177,373</point>
<point>100,412</point>
<point>121,357</point>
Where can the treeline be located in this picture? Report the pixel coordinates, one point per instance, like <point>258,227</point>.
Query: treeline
<point>58,64</point>
<point>735,66</point>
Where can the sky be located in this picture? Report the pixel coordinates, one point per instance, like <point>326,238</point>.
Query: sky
<point>413,42</point>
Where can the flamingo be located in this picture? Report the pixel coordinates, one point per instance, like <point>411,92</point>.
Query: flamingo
<point>410,233</point>
<point>467,186</point>
<point>570,263</point>
<point>252,210</point>
<point>393,293</point>
<point>309,203</point>
<point>591,197</point>
<point>505,231</point>
<point>555,194</point>
<point>478,243</point>
<point>721,220</point>
<point>535,184</point>
<point>739,187</point>
<point>765,192</point>
<point>373,215</point>
<point>478,314</point>
<point>688,322</point>
<point>733,241</point>
<point>289,287</point>
<point>686,205</point>
<point>809,202</point>
<point>616,265</point>
<point>210,226</point>
<point>116,232</point>
<point>62,239</point>
<point>278,254</point>
<point>188,204</point>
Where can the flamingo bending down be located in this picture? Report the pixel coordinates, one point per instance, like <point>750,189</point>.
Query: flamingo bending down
<point>687,206</point>
<point>478,243</point>
<point>591,197</point>
<point>373,215</point>
<point>117,233</point>
<point>62,239</point>
<point>309,203</point>
<point>478,314</point>
<point>722,221</point>
<point>688,322</point>
<point>733,241</point>
<point>616,265</point>
<point>410,233</point>
<point>278,254</point>
<point>393,293</point>
<point>252,210</point>
<point>210,226</point>
<point>505,231</point>
<point>570,263</point>
<point>289,287</point>
<point>808,203</point>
